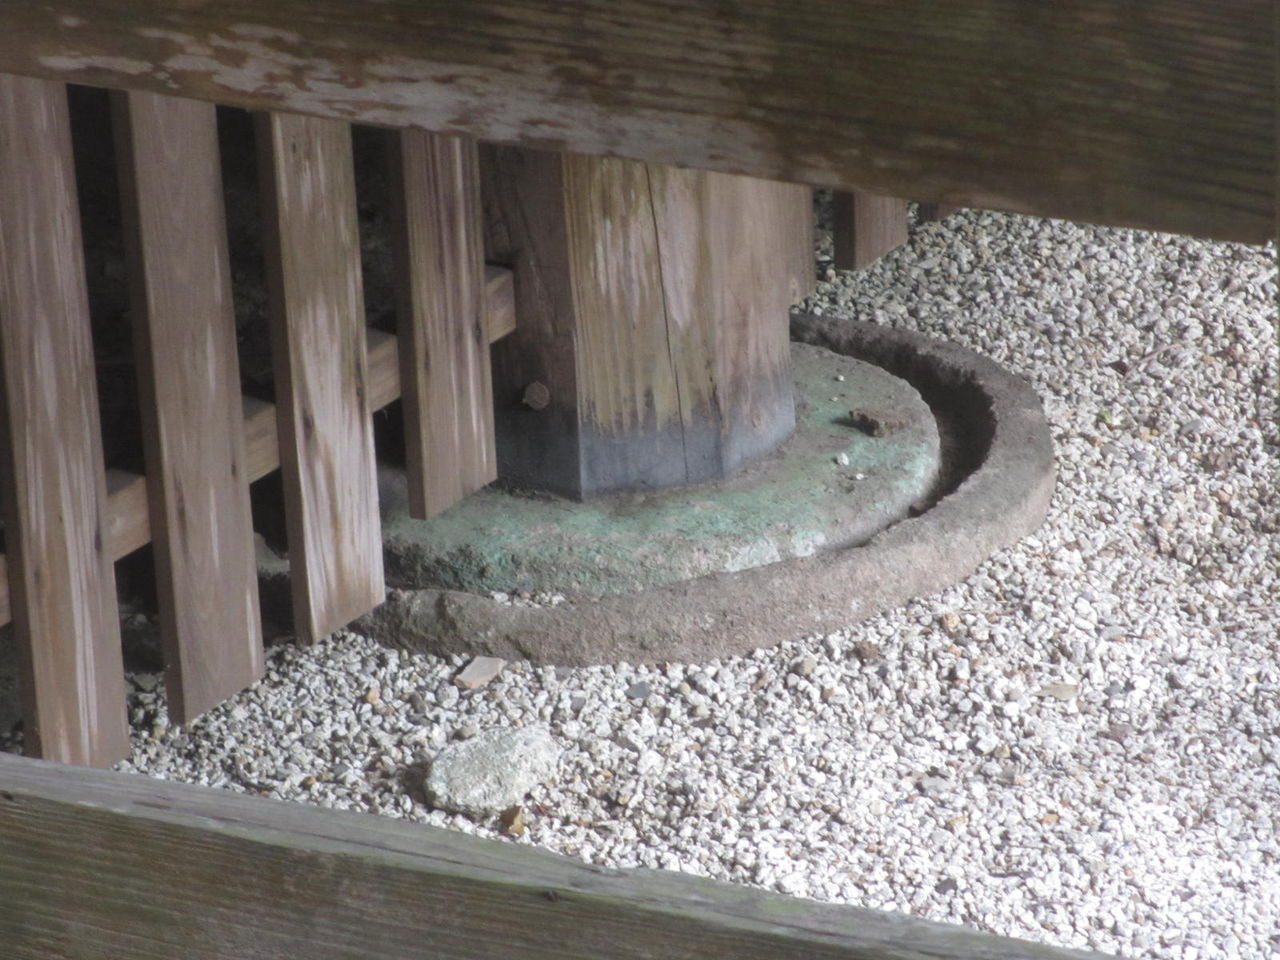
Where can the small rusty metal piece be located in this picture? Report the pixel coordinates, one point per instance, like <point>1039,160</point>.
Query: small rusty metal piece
<point>875,422</point>
<point>536,396</point>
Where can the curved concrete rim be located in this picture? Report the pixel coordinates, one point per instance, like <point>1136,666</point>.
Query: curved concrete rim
<point>1002,481</point>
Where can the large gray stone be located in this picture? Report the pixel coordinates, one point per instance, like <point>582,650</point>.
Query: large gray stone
<point>492,771</point>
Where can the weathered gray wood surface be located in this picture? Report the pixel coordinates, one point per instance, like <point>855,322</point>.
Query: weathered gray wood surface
<point>52,482</point>
<point>321,371</point>
<point>114,865</point>
<point>653,306</point>
<point>189,378</point>
<point>1156,115</point>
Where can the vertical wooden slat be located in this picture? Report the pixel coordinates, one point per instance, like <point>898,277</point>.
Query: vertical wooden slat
<point>318,342</point>
<point>189,380</point>
<point>867,226</point>
<point>62,583</point>
<point>445,375</point>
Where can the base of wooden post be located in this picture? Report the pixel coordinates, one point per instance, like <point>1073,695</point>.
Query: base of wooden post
<point>997,479</point>
<point>651,349</point>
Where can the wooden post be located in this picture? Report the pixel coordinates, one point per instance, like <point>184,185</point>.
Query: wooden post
<point>652,348</point>
<point>188,375</point>
<point>62,583</point>
<point>322,390</point>
<point>867,226</point>
<point>444,345</point>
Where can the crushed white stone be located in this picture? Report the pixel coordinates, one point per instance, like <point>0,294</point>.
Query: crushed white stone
<point>1080,744</point>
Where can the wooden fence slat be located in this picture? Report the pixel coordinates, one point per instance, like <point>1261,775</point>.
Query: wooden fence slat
<point>867,226</point>
<point>62,583</point>
<point>189,380</point>
<point>128,526</point>
<point>322,395</point>
<point>444,346</point>
<point>117,865</point>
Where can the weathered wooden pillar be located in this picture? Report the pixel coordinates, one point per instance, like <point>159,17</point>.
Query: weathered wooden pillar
<point>652,348</point>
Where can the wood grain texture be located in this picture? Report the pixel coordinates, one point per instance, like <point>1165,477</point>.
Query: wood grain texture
<point>640,289</point>
<point>116,865</point>
<point>189,380</point>
<point>128,526</point>
<point>322,393</point>
<point>526,229</point>
<point>1157,115</point>
<point>445,373</point>
<point>61,581</point>
<point>728,265</point>
<point>632,434</point>
<point>866,226</point>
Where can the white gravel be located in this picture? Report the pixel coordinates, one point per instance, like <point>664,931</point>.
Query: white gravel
<point>1080,744</point>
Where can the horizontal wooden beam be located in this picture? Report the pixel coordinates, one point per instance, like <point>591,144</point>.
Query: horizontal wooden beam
<point>128,526</point>
<point>119,865</point>
<point>1155,115</point>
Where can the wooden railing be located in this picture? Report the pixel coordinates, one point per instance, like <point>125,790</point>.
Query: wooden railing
<point>67,518</point>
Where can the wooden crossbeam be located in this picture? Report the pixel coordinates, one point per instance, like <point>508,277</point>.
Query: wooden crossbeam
<point>116,865</point>
<point>1155,115</point>
<point>60,582</point>
<point>189,378</point>
<point>127,527</point>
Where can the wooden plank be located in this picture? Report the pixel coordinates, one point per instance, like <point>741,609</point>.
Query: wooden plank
<point>61,581</point>
<point>117,865</point>
<point>128,516</point>
<point>189,380</point>
<point>318,346</point>
<point>128,526</point>
<point>866,227</point>
<point>1149,115</point>
<point>440,292</point>
<point>727,249</point>
<point>499,302</point>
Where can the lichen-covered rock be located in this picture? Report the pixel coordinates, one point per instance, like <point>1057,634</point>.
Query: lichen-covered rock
<point>492,771</point>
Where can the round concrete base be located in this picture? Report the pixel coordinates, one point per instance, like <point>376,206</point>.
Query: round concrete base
<point>865,449</point>
<point>993,484</point>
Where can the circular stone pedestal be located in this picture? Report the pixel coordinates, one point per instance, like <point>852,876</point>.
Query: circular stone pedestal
<point>864,452</point>
<point>997,476</point>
